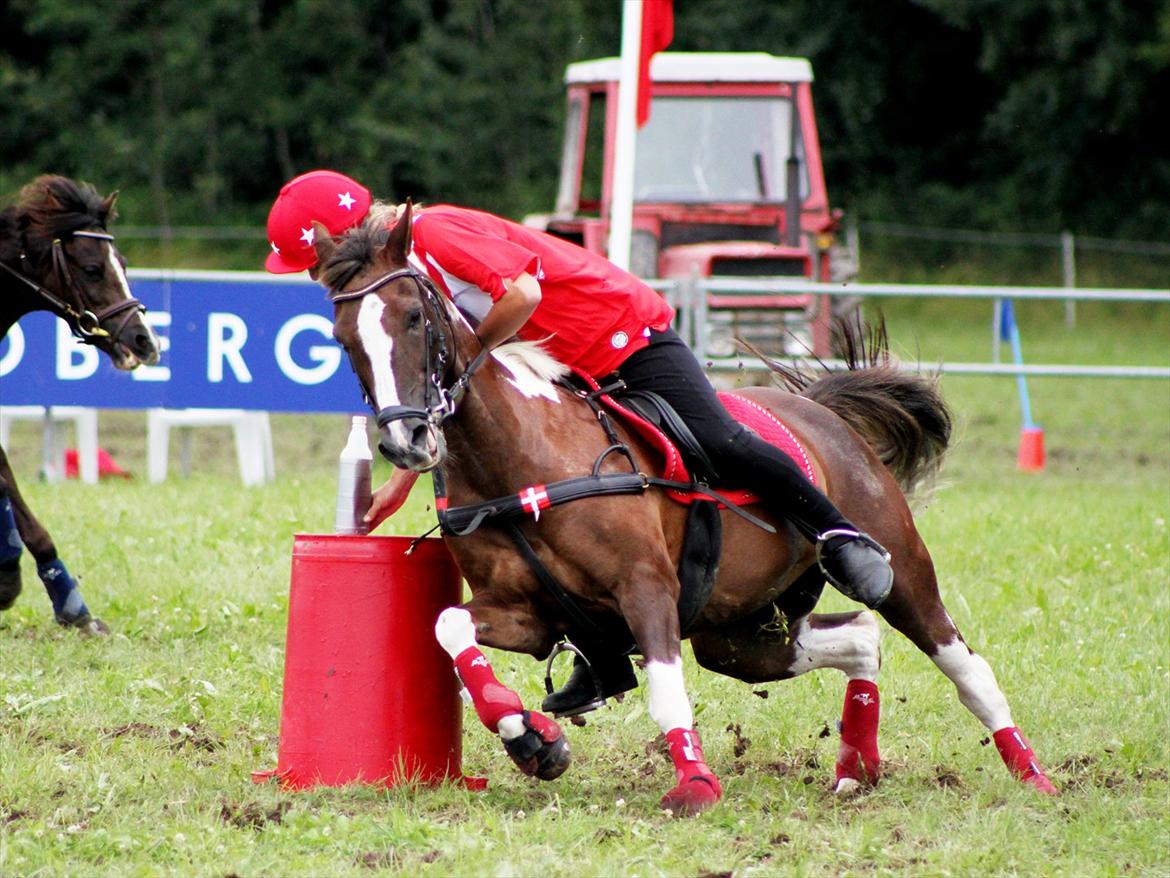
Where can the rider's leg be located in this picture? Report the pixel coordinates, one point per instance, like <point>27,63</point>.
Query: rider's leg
<point>852,562</point>
<point>602,673</point>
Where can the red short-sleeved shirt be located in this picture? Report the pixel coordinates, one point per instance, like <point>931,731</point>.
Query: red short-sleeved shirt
<point>591,315</point>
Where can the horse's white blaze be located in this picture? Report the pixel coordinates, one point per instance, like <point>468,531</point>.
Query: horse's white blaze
<point>973,677</point>
<point>852,648</point>
<point>124,283</point>
<point>378,345</point>
<point>669,705</point>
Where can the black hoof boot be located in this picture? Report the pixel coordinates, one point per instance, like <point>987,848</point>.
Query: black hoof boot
<point>9,584</point>
<point>589,686</point>
<point>856,565</point>
<point>542,751</point>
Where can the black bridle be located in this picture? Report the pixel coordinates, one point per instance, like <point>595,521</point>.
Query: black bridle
<point>70,305</point>
<point>439,399</point>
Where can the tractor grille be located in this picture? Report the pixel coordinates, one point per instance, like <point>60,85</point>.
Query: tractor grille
<point>758,267</point>
<point>674,234</point>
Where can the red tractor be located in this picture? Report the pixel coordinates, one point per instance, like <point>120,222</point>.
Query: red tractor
<point>728,183</point>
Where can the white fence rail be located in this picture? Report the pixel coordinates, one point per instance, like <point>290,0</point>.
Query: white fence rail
<point>690,297</point>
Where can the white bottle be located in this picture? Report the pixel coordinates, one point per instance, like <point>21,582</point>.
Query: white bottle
<point>353,481</point>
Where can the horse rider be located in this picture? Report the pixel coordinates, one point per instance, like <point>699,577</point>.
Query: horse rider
<point>510,280</point>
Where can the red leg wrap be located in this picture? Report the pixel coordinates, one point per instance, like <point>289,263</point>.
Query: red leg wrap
<point>858,758</point>
<point>491,698</point>
<point>1020,760</point>
<point>698,787</point>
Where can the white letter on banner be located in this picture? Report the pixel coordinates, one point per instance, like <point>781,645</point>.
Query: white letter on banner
<point>226,336</point>
<point>75,361</point>
<point>11,360</point>
<point>327,357</point>
<point>156,320</point>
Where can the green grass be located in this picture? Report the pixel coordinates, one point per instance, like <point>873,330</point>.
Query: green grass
<point>131,755</point>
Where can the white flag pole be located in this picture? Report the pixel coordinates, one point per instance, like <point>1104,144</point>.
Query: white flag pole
<point>621,208</point>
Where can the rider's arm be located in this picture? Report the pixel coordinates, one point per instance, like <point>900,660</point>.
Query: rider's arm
<point>510,311</point>
<point>389,498</point>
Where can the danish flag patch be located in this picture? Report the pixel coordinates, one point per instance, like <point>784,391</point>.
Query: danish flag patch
<point>534,499</point>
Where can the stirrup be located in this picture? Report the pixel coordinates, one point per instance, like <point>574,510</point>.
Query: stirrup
<point>599,691</point>
<point>824,538</point>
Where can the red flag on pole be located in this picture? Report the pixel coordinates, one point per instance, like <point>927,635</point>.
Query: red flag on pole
<point>657,32</point>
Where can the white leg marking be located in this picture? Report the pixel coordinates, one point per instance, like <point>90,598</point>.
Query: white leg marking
<point>378,347</point>
<point>852,648</point>
<point>974,679</point>
<point>669,705</point>
<point>455,630</point>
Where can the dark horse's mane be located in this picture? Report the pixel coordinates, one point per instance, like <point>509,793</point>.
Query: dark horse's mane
<point>902,416</point>
<point>47,208</point>
<point>355,250</point>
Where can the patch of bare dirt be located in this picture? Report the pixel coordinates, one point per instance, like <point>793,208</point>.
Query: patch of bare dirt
<point>742,743</point>
<point>251,815</point>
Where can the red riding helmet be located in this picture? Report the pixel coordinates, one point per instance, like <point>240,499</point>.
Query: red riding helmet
<point>328,197</point>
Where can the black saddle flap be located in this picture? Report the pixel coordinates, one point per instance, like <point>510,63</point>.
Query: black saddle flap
<point>662,415</point>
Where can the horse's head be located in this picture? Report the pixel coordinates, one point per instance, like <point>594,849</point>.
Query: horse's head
<point>398,331</point>
<point>69,264</point>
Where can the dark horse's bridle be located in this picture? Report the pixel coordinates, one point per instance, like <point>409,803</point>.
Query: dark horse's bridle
<point>84,323</point>
<point>439,399</point>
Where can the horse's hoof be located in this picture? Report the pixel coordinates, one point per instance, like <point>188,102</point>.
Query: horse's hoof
<point>1041,782</point>
<point>542,750</point>
<point>692,796</point>
<point>9,585</point>
<point>861,770</point>
<point>86,625</point>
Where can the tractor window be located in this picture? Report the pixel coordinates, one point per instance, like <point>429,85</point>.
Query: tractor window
<point>591,173</point>
<point>717,149</point>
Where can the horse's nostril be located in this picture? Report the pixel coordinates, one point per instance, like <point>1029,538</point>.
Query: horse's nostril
<point>418,437</point>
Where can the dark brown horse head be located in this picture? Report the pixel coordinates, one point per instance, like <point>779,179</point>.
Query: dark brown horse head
<point>65,259</point>
<point>398,331</point>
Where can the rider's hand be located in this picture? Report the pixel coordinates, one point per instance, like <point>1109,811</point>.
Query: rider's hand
<point>389,498</point>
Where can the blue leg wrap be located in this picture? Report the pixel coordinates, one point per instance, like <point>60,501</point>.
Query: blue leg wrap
<point>68,605</point>
<point>10,545</point>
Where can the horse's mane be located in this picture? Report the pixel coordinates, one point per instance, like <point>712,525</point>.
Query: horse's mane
<point>49,207</point>
<point>531,357</point>
<point>357,247</point>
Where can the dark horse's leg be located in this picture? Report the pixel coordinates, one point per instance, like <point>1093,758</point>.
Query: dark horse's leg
<point>18,525</point>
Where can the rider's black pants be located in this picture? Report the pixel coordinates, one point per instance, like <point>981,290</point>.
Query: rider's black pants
<point>740,457</point>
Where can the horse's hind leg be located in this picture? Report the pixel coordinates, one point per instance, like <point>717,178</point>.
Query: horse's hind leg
<point>68,605</point>
<point>775,647</point>
<point>915,608</point>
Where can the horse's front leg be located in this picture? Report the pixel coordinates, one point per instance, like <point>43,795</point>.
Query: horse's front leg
<point>651,611</point>
<point>535,742</point>
<point>18,526</point>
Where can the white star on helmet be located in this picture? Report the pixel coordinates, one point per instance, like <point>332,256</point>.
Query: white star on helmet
<point>344,199</point>
<point>307,235</point>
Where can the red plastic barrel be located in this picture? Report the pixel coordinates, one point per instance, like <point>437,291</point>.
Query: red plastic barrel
<point>369,695</point>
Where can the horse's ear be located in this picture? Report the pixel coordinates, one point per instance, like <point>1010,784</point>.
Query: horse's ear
<point>323,242</point>
<point>108,205</point>
<point>398,246</point>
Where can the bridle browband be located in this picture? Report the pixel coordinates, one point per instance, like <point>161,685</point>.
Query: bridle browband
<point>84,323</point>
<point>439,400</point>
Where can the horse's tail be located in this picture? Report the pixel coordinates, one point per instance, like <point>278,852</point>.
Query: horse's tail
<point>901,415</point>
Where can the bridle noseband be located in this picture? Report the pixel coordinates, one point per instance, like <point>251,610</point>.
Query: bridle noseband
<point>84,323</point>
<point>439,401</point>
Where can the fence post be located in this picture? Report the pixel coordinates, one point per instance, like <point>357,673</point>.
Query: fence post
<point>1068,265</point>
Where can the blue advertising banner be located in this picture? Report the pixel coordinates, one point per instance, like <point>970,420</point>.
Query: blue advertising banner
<point>229,340</point>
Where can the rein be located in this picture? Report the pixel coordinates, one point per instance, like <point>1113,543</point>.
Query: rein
<point>84,323</point>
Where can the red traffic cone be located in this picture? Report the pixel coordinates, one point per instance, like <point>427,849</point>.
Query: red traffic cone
<point>1031,456</point>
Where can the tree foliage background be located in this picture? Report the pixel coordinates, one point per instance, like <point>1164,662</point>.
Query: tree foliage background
<point>1012,114</point>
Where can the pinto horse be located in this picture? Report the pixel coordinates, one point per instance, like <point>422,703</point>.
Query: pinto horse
<point>500,427</point>
<point>56,255</point>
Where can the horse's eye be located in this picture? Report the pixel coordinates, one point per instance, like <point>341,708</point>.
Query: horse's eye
<point>414,319</point>
<point>93,272</point>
